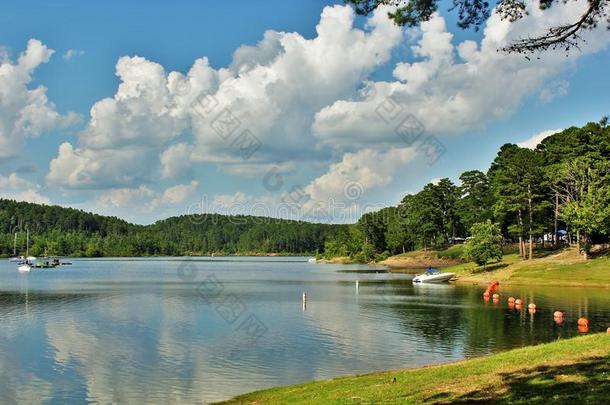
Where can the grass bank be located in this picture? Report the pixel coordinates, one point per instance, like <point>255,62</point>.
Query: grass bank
<point>548,268</point>
<point>424,258</point>
<point>564,268</point>
<point>564,371</point>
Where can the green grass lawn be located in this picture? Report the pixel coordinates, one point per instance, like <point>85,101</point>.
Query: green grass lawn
<point>592,272</point>
<point>566,371</point>
<point>564,268</point>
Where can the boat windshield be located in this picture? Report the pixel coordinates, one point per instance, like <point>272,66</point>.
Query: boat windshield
<point>430,270</point>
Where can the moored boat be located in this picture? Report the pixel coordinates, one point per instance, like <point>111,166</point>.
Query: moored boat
<point>433,276</point>
<point>24,268</point>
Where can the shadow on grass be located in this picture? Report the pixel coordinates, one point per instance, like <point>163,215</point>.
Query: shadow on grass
<point>587,382</point>
<point>489,267</point>
<point>540,253</point>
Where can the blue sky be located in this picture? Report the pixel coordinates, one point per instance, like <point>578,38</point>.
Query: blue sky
<point>315,126</point>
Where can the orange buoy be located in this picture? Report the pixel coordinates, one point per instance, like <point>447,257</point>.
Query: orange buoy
<point>557,314</point>
<point>583,322</point>
<point>532,306</point>
<point>491,288</point>
<point>583,328</point>
<point>511,299</point>
<point>518,302</point>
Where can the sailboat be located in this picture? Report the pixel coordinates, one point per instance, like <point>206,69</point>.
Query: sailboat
<point>25,267</point>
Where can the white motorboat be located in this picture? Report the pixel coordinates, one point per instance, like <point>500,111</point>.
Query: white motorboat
<point>433,276</point>
<point>312,260</point>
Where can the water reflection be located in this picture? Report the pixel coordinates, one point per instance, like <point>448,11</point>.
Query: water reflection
<point>132,331</point>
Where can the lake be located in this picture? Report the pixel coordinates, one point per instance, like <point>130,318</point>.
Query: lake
<point>206,329</point>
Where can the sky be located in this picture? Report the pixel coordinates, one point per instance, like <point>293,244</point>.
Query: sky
<point>287,109</point>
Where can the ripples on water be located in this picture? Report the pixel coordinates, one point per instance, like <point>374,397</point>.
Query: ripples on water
<point>117,330</point>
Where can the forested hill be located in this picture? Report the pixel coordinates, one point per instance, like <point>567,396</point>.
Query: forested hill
<point>70,232</point>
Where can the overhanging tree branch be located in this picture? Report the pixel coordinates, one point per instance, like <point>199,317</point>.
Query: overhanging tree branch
<point>474,13</point>
<point>563,36</point>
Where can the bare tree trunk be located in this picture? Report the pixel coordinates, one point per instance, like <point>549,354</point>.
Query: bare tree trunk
<point>531,218</point>
<point>555,237</point>
<point>521,245</point>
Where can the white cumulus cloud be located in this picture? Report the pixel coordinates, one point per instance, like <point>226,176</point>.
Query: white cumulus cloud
<point>453,88</point>
<point>176,161</point>
<point>26,112</point>
<point>290,102</point>
<point>272,89</point>
<point>358,173</point>
<point>535,139</point>
<point>13,187</point>
<point>145,199</point>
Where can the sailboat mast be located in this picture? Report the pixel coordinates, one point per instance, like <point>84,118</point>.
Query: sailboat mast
<point>27,243</point>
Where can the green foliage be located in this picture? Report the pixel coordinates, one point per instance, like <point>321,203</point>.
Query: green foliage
<point>485,243</point>
<point>588,211</point>
<point>515,176</point>
<point>397,236</point>
<point>453,252</point>
<point>374,226</point>
<point>431,216</point>
<point>519,192</point>
<point>413,12</point>
<point>365,255</point>
<point>69,232</point>
<point>379,257</point>
<point>476,202</point>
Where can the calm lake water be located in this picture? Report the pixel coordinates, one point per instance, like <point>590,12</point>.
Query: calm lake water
<point>170,330</point>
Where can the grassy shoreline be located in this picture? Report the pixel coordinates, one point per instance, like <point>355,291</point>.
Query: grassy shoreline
<point>576,369</point>
<point>562,268</point>
<point>565,268</point>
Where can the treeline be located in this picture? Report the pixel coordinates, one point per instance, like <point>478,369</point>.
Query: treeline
<point>561,187</point>
<point>70,232</point>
